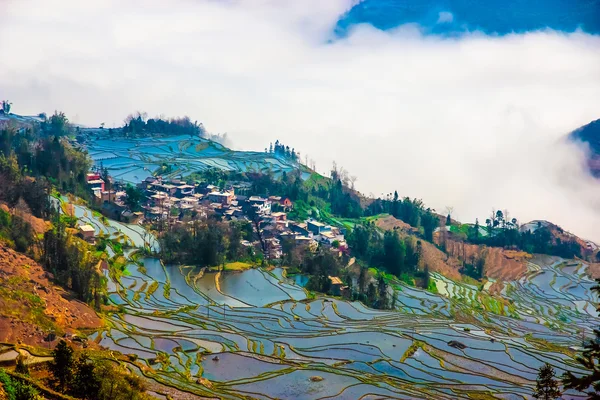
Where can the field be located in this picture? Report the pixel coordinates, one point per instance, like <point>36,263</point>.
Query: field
<point>250,332</point>
<point>134,159</point>
<point>254,332</point>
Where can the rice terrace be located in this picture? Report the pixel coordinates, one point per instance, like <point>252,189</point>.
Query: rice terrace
<point>396,199</point>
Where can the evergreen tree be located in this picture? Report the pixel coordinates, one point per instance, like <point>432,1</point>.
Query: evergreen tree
<point>85,382</point>
<point>382,288</point>
<point>426,277</point>
<point>590,359</point>
<point>371,294</point>
<point>21,367</point>
<point>62,364</point>
<point>546,387</point>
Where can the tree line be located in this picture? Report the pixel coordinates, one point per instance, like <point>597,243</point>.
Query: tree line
<point>139,125</point>
<point>502,232</point>
<point>206,242</point>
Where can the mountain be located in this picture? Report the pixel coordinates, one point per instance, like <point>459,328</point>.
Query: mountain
<point>590,134</point>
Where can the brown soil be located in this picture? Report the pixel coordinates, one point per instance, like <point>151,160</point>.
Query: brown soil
<point>389,222</point>
<point>501,264</point>
<point>31,306</point>
<point>594,270</point>
<point>37,224</point>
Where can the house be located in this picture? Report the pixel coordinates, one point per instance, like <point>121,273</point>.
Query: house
<point>87,232</point>
<point>158,199</point>
<point>279,216</point>
<point>317,227</point>
<point>96,185</point>
<point>184,191</point>
<point>273,247</point>
<point>220,197</point>
<point>189,200</point>
<point>92,176</point>
<point>284,201</point>
<point>131,217</point>
<point>336,285</point>
<point>108,195</point>
<point>163,188</point>
<point>262,205</point>
<point>300,228</point>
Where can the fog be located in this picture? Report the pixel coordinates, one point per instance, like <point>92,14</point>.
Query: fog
<point>474,122</point>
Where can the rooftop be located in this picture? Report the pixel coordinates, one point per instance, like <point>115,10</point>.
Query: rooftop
<point>86,228</point>
<point>335,280</point>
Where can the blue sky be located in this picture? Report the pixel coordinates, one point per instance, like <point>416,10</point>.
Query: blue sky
<point>491,17</point>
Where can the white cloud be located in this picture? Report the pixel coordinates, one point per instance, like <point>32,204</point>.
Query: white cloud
<point>472,122</point>
<point>445,17</point>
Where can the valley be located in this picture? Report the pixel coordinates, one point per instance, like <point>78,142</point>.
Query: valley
<point>223,274</point>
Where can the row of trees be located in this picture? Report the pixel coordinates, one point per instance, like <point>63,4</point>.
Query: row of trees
<point>72,262</point>
<point>206,242</point>
<point>282,150</point>
<point>77,375</point>
<point>411,211</point>
<point>389,251</point>
<point>504,233</point>
<point>139,125</point>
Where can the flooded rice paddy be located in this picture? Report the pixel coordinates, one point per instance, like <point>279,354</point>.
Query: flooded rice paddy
<point>259,334</point>
<point>255,333</point>
<point>134,159</point>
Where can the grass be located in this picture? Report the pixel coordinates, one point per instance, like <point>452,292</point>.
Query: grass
<point>237,266</point>
<point>416,345</point>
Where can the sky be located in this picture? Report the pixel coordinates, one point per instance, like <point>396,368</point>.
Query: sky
<point>474,121</point>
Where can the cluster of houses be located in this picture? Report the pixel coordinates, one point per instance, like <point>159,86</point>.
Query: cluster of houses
<point>171,200</point>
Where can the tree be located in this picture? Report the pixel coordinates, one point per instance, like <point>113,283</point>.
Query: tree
<point>134,197</point>
<point>382,288</point>
<point>546,387</point>
<point>85,381</point>
<point>590,359</point>
<point>62,364</point>
<point>6,106</point>
<point>22,368</point>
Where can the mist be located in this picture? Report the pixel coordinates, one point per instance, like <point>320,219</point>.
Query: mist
<point>474,122</point>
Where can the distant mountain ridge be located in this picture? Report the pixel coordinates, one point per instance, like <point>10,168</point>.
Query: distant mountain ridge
<point>590,134</point>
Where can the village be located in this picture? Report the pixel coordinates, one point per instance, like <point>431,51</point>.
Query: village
<point>166,202</point>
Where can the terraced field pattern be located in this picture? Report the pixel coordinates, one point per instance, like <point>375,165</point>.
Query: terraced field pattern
<point>134,159</point>
<point>259,334</point>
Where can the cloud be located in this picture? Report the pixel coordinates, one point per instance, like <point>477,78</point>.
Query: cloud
<point>473,122</point>
<point>445,17</point>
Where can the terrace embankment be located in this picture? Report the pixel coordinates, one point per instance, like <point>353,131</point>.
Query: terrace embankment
<point>31,306</point>
<point>500,264</point>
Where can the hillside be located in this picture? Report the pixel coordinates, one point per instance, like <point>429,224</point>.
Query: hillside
<point>590,134</point>
<point>132,159</point>
<point>31,306</point>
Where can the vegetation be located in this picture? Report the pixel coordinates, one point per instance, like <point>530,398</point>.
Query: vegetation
<point>79,376</point>
<point>546,387</point>
<point>15,232</point>
<point>502,232</point>
<point>282,150</point>
<point>138,125</point>
<point>16,389</point>
<point>590,360</point>
<point>392,253</point>
<point>206,242</point>
<point>72,261</point>
<point>413,212</point>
